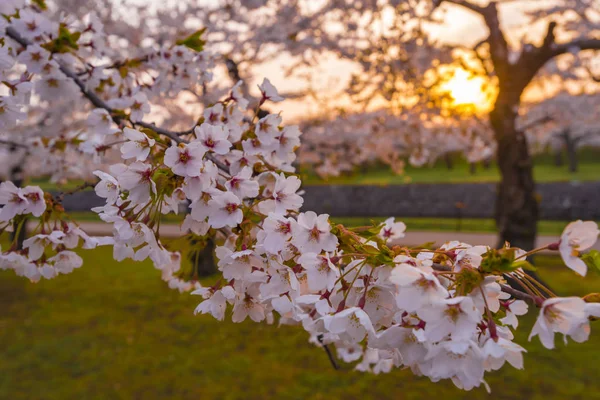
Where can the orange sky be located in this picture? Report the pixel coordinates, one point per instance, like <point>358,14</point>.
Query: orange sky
<point>465,28</point>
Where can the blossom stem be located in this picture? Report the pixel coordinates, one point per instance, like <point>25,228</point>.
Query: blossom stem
<point>329,354</point>
<point>531,252</point>
<point>538,284</point>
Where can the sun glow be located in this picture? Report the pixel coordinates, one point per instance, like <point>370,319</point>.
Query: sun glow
<point>467,90</point>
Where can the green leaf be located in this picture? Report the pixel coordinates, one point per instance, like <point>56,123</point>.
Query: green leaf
<point>592,259</point>
<point>498,261</point>
<point>65,42</point>
<point>194,41</point>
<point>526,265</point>
<point>40,3</point>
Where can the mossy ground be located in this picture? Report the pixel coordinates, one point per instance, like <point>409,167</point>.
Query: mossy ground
<point>115,331</point>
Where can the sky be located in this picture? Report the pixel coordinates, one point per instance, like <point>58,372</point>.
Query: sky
<point>461,27</point>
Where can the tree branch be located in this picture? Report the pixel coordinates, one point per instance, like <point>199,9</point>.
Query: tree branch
<point>536,58</point>
<point>99,103</point>
<point>466,4</point>
<point>92,97</point>
<point>13,144</point>
<point>496,39</point>
<point>580,44</point>
<point>480,57</point>
<point>539,121</point>
<point>517,294</point>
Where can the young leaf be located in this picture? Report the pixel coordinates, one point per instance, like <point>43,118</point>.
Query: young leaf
<point>194,41</point>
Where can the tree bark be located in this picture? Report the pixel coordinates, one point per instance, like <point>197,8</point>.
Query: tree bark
<point>487,163</point>
<point>516,210</point>
<point>571,148</point>
<point>202,259</point>
<point>472,168</point>
<point>448,161</point>
<point>558,158</point>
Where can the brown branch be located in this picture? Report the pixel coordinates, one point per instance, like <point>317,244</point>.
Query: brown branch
<point>99,103</point>
<point>467,4</point>
<point>482,60</point>
<point>13,144</point>
<point>591,73</point>
<point>60,197</point>
<point>581,44</point>
<point>517,294</point>
<point>329,354</point>
<point>93,98</point>
<point>550,35</point>
<point>496,39</point>
<point>543,120</point>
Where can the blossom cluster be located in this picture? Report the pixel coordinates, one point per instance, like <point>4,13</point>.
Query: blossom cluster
<point>446,312</point>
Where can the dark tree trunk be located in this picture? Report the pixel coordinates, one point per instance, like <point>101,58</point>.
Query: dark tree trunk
<point>558,158</point>
<point>571,148</point>
<point>487,163</point>
<point>472,168</point>
<point>202,259</point>
<point>516,211</point>
<point>448,161</point>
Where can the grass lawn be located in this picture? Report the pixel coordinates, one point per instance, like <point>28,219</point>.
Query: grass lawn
<point>413,224</point>
<point>115,331</point>
<point>544,171</point>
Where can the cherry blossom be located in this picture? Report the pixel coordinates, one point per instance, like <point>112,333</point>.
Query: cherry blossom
<point>185,160</point>
<point>578,236</point>
<point>444,312</point>
<point>213,138</point>
<point>225,210</point>
<point>392,230</point>
<point>269,92</point>
<point>313,233</point>
<point>138,146</point>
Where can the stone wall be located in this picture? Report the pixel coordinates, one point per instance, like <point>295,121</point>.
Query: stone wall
<point>559,201</point>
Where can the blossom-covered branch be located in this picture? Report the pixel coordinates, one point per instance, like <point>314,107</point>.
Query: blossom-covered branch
<point>445,312</point>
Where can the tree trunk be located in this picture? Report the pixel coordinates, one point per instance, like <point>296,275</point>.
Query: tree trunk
<point>516,211</point>
<point>202,259</point>
<point>558,158</point>
<point>487,163</point>
<point>571,152</point>
<point>448,161</point>
<point>472,168</point>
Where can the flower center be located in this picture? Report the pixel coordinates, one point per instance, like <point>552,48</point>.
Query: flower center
<point>231,207</point>
<point>314,234</point>
<point>209,143</point>
<point>284,227</point>
<point>453,312</point>
<point>184,157</point>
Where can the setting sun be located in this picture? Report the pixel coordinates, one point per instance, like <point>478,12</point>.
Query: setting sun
<point>467,90</point>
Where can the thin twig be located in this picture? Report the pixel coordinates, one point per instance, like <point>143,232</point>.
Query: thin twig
<point>60,197</point>
<point>334,364</point>
<point>11,143</point>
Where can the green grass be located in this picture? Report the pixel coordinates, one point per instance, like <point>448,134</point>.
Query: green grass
<point>114,331</point>
<point>413,224</point>
<point>475,225</point>
<point>544,171</point>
